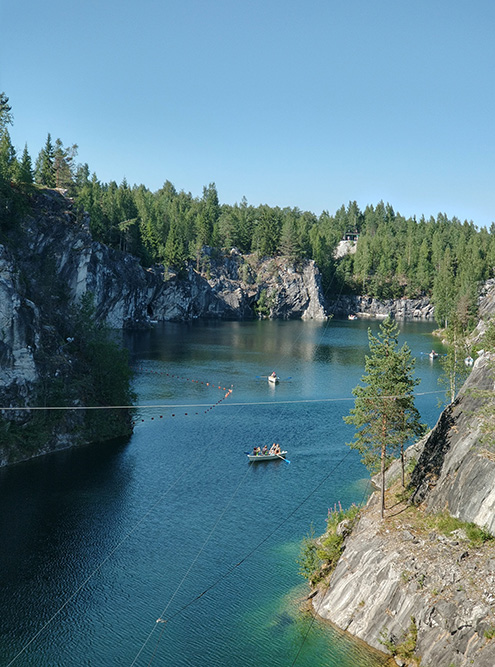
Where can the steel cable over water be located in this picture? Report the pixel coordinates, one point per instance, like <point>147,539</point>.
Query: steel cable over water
<point>239,405</point>
<point>228,572</point>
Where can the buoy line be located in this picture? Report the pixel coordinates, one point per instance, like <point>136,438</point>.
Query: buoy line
<point>200,405</point>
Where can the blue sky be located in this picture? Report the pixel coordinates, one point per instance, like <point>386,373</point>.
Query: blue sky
<point>310,104</point>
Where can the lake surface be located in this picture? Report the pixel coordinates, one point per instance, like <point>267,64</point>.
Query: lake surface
<point>174,523</point>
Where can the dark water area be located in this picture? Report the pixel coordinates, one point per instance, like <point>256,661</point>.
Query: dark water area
<point>101,542</point>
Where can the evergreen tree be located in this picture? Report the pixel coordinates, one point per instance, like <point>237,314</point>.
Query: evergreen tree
<point>8,160</point>
<point>44,170</point>
<point>176,247</point>
<point>208,216</point>
<point>6,117</point>
<point>25,169</point>
<point>289,241</point>
<point>444,290</point>
<point>267,231</point>
<point>64,164</point>
<point>384,412</point>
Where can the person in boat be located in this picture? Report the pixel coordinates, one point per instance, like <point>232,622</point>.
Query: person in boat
<point>256,451</point>
<point>264,450</point>
<point>274,375</point>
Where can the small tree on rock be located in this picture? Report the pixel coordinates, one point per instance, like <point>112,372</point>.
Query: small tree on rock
<point>384,413</point>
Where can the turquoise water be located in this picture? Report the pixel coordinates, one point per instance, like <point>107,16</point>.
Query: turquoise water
<point>99,543</point>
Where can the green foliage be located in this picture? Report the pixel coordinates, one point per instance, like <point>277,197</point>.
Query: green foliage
<point>384,413</point>
<point>395,256</point>
<point>24,172</point>
<point>309,561</point>
<point>102,374</point>
<point>404,649</point>
<point>8,159</point>
<point>6,117</point>
<point>319,557</point>
<point>454,369</point>
<point>486,399</point>
<point>446,524</point>
<point>64,165</point>
<point>44,171</point>
<point>332,543</point>
<point>263,305</point>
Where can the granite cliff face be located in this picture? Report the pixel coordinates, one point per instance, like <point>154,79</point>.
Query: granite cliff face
<point>401,569</point>
<point>50,261</point>
<point>365,306</point>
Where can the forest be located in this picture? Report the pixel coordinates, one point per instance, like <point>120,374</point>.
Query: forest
<point>441,258</point>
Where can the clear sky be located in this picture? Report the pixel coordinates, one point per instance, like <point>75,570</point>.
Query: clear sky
<point>310,104</point>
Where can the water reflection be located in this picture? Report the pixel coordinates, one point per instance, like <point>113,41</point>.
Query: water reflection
<point>192,507</point>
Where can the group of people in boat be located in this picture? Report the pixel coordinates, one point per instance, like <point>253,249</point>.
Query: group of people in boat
<point>274,449</point>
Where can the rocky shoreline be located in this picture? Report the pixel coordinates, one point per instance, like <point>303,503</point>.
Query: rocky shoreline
<point>402,581</point>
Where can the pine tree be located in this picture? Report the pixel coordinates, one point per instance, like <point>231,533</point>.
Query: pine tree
<point>63,164</point>
<point>25,170</point>
<point>8,160</point>
<point>289,241</point>
<point>6,117</point>
<point>384,412</point>
<point>44,170</point>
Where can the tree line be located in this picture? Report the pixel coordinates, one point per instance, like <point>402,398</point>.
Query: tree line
<point>438,257</point>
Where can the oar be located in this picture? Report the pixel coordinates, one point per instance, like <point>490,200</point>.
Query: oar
<point>283,459</point>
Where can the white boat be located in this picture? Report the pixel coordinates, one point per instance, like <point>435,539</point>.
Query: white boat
<point>258,458</point>
<point>433,354</point>
<point>274,379</point>
<point>352,316</point>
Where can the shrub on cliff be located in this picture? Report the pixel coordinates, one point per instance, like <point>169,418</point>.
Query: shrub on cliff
<point>101,375</point>
<point>318,557</point>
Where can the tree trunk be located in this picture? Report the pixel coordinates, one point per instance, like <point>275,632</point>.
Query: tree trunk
<point>382,462</point>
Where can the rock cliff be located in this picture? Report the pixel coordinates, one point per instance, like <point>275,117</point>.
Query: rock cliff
<point>404,580</point>
<point>49,261</point>
<point>364,306</point>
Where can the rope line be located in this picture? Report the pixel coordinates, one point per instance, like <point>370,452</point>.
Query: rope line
<point>203,405</point>
<point>100,565</point>
<point>203,546</point>
<point>255,548</point>
<point>316,611</point>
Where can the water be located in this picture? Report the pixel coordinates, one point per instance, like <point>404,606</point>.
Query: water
<point>99,543</point>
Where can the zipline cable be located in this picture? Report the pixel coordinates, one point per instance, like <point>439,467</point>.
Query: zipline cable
<point>203,546</point>
<point>100,565</point>
<point>316,611</point>
<point>259,544</point>
<point>162,406</point>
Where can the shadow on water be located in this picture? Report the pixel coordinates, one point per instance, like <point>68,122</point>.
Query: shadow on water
<point>186,506</point>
